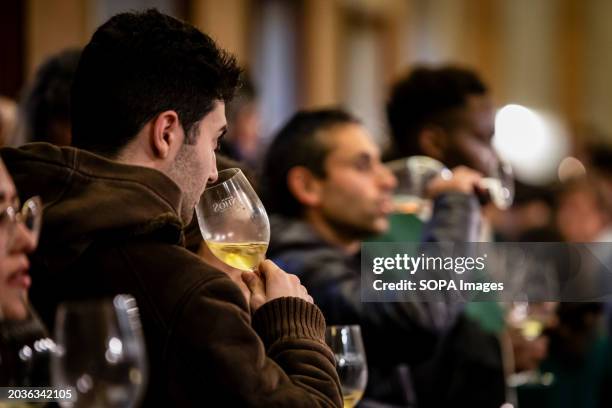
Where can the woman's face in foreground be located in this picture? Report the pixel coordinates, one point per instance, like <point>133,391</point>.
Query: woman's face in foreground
<point>16,242</point>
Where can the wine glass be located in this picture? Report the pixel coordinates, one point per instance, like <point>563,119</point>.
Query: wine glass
<point>499,184</point>
<point>233,221</point>
<point>414,173</point>
<point>530,320</point>
<point>100,353</point>
<point>25,350</point>
<point>347,345</point>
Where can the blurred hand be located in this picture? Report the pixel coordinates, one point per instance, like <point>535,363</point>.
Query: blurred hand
<point>528,354</point>
<point>271,283</point>
<point>464,180</point>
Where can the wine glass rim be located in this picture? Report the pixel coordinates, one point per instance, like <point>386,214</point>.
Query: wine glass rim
<point>349,326</point>
<point>111,301</point>
<point>224,176</point>
<point>402,163</point>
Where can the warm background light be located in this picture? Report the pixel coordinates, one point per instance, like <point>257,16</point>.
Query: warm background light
<point>533,143</point>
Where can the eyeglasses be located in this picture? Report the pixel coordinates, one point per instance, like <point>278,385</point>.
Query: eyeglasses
<point>30,215</point>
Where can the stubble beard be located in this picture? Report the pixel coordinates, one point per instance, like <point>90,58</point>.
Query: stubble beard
<point>185,171</point>
<point>349,230</point>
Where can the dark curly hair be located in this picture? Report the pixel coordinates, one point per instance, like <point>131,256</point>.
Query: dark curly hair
<point>138,65</point>
<point>424,97</point>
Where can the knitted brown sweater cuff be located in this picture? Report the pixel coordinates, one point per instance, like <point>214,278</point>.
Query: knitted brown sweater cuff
<point>289,317</point>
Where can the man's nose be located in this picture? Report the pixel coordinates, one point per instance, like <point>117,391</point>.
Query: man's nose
<point>387,179</point>
<point>24,240</point>
<point>214,175</point>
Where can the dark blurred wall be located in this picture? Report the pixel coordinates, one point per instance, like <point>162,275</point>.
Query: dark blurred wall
<point>11,47</point>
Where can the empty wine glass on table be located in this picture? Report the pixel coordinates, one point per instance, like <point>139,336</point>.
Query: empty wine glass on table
<point>233,221</point>
<point>100,353</point>
<point>414,174</point>
<point>347,345</point>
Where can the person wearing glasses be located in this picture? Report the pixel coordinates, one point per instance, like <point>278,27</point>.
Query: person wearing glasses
<point>19,323</point>
<point>19,227</point>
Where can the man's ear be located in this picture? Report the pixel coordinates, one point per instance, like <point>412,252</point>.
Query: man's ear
<point>433,142</point>
<point>305,186</point>
<point>166,135</point>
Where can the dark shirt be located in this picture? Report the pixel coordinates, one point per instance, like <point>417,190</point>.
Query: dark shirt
<point>396,334</point>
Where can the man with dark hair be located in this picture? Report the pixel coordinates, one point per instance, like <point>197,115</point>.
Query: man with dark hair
<point>445,113</point>
<point>327,190</point>
<point>45,106</point>
<point>148,113</point>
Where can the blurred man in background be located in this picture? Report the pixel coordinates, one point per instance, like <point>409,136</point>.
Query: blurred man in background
<point>327,190</point>
<point>584,210</point>
<point>581,351</point>
<point>44,111</point>
<point>241,142</point>
<point>446,113</point>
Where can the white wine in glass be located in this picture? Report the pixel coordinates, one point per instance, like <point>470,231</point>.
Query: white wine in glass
<point>240,255</point>
<point>233,221</point>
<point>347,345</point>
